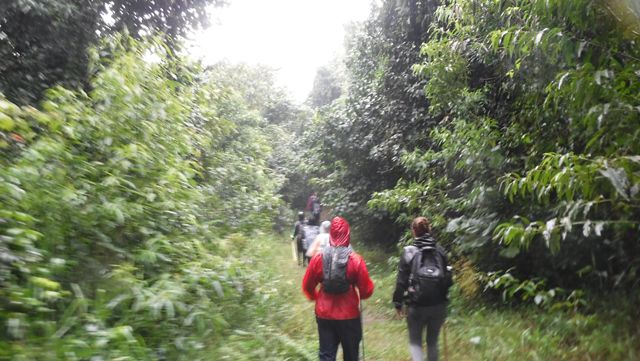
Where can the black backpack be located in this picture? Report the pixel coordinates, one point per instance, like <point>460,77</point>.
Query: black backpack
<point>334,269</point>
<point>427,282</point>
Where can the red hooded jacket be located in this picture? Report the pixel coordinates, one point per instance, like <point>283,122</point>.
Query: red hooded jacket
<point>343,306</point>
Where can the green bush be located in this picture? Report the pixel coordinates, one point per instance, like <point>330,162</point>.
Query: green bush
<point>118,212</point>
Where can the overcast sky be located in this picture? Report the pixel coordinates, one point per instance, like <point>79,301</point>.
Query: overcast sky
<point>293,36</point>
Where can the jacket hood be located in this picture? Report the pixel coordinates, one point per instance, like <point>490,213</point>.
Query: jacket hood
<point>325,226</point>
<point>339,234</point>
<point>426,241</point>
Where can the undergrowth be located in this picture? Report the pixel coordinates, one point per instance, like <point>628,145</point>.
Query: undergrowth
<point>481,330</point>
<point>279,324</point>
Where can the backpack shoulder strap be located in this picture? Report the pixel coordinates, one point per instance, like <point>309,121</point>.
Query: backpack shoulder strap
<point>442,256</point>
<point>345,253</point>
<point>350,258</point>
<point>327,253</point>
<point>416,260</point>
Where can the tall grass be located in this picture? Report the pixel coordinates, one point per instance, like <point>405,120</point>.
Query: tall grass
<point>279,324</point>
<point>478,330</point>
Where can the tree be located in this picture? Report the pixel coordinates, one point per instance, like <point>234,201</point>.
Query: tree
<point>357,142</point>
<point>532,166</point>
<point>36,57</point>
<point>327,87</point>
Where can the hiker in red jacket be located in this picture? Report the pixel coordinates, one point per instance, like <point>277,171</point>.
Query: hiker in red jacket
<point>344,280</point>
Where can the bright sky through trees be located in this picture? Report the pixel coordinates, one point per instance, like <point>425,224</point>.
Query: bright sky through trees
<point>293,36</point>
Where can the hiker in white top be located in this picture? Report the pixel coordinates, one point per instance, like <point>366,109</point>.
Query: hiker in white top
<point>321,241</point>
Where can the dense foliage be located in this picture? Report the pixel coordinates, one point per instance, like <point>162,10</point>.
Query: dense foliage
<point>44,43</point>
<point>136,186</point>
<point>118,212</point>
<point>284,124</point>
<point>328,84</point>
<point>536,149</point>
<point>353,148</point>
<point>523,152</point>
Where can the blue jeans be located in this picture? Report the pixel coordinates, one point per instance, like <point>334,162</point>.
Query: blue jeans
<point>430,318</point>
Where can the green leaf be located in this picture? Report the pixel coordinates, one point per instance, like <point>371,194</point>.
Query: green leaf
<point>586,228</point>
<point>598,228</point>
<point>45,283</point>
<point>618,178</point>
<point>538,299</point>
<point>218,288</point>
<point>539,36</point>
<point>510,252</point>
<point>549,228</point>
<point>6,122</point>
<point>15,191</point>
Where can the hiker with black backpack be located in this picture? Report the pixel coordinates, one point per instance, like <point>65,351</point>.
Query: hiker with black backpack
<point>344,281</point>
<point>298,238</point>
<point>423,282</point>
<point>309,234</point>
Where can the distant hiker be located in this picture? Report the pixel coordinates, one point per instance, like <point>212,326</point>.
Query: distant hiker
<point>321,241</point>
<point>314,207</point>
<point>298,237</point>
<point>423,282</point>
<point>344,281</point>
<point>309,234</point>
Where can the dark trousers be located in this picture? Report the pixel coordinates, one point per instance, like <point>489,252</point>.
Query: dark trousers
<point>303,260</point>
<point>347,333</point>
<point>430,318</point>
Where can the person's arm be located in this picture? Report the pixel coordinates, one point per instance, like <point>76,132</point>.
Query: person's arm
<point>312,277</point>
<point>402,281</point>
<point>364,282</point>
<point>448,275</point>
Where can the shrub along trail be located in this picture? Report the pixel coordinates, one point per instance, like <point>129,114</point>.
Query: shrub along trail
<point>475,331</point>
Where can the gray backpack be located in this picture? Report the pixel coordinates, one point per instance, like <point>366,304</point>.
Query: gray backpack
<point>334,269</point>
